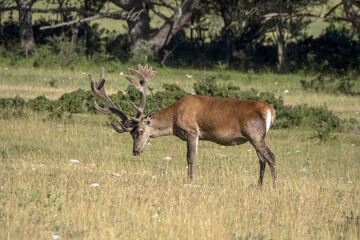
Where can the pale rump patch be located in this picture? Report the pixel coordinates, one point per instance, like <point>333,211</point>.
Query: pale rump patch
<point>268,121</point>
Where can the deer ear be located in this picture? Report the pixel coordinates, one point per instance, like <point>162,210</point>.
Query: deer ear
<point>148,117</point>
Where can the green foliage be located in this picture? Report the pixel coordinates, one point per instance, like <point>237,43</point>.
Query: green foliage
<point>74,102</point>
<point>142,54</point>
<point>59,50</point>
<point>44,57</point>
<point>39,103</point>
<point>346,86</point>
<point>320,119</point>
<point>209,87</point>
<point>322,83</point>
<point>165,98</point>
<point>316,84</point>
<point>12,102</point>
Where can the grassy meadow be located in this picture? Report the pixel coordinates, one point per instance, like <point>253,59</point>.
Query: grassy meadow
<point>110,194</point>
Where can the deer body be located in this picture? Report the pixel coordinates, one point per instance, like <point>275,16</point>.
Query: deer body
<point>225,121</point>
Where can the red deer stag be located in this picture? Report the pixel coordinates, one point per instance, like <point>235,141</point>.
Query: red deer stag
<point>224,121</point>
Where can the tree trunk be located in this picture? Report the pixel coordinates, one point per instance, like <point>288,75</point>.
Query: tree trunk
<point>162,37</point>
<point>25,21</point>
<point>351,14</point>
<point>281,49</point>
<point>139,28</point>
<point>227,18</point>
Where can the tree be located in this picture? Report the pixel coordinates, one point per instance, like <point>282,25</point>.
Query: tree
<point>139,28</point>
<point>351,13</point>
<point>288,24</point>
<point>25,23</point>
<point>242,23</point>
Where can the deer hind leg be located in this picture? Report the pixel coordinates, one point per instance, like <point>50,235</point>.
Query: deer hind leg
<point>262,163</point>
<point>265,156</point>
<point>192,145</point>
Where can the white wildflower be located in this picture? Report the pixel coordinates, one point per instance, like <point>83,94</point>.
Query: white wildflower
<point>276,83</point>
<point>56,237</point>
<point>297,151</point>
<point>115,174</point>
<point>94,185</point>
<point>121,73</point>
<point>191,185</point>
<point>167,158</point>
<point>74,161</point>
<point>188,76</point>
<point>303,170</point>
<point>286,91</point>
<point>153,177</point>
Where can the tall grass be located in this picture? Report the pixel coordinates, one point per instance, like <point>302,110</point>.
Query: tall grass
<point>44,194</point>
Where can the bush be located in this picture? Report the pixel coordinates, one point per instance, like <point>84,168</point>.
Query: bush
<point>39,103</point>
<point>165,98</point>
<point>74,102</point>
<point>320,119</point>
<point>341,84</point>
<point>43,57</point>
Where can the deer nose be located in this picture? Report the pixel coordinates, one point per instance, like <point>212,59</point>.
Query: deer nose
<point>136,153</point>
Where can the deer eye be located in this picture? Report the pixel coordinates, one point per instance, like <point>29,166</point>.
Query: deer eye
<point>141,132</point>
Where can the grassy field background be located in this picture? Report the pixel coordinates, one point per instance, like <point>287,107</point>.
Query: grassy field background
<point>110,194</point>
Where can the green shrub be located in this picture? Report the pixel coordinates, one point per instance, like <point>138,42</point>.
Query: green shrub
<point>74,102</point>
<point>165,98</point>
<point>12,102</point>
<point>39,103</point>
<point>316,84</point>
<point>341,84</point>
<point>320,119</point>
<point>44,57</point>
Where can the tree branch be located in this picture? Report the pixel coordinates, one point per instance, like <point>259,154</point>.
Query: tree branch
<point>158,13</point>
<point>333,9</point>
<point>271,15</point>
<point>88,19</point>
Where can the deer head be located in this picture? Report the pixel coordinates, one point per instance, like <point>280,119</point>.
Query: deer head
<point>137,126</point>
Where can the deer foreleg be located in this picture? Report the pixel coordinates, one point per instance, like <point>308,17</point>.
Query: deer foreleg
<point>192,145</point>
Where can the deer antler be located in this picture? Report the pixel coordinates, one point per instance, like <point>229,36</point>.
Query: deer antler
<point>126,125</point>
<point>144,75</point>
<point>99,90</point>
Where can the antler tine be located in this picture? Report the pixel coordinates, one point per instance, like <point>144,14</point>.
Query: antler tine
<point>99,90</point>
<point>144,74</point>
<point>123,128</point>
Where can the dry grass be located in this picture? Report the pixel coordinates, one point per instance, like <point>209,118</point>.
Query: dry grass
<point>44,194</point>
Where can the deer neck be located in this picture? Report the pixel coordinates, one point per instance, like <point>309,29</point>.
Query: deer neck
<point>162,123</point>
